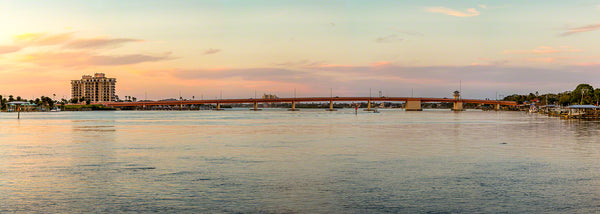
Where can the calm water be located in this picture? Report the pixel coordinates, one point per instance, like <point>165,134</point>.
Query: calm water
<point>311,161</point>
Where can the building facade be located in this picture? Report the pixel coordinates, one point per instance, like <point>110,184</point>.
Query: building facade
<point>96,88</point>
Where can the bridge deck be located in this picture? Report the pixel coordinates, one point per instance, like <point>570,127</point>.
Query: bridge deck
<point>308,99</point>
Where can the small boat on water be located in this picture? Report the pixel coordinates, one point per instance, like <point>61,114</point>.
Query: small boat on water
<point>55,109</point>
<point>533,108</point>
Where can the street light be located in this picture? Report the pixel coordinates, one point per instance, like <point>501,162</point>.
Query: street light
<point>583,91</point>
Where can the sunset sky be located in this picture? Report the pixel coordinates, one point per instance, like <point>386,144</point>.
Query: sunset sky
<point>159,49</point>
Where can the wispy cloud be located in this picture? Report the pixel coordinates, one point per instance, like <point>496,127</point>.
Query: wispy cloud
<point>482,6</point>
<point>388,39</point>
<point>546,59</point>
<point>69,41</point>
<point>244,73</point>
<point>67,50</point>
<point>98,43</point>
<point>9,49</point>
<point>300,63</point>
<point>212,51</point>
<point>483,61</point>
<point>452,12</point>
<point>410,33</point>
<point>571,31</point>
<point>42,39</point>
<point>543,50</point>
<point>381,64</point>
<point>84,59</point>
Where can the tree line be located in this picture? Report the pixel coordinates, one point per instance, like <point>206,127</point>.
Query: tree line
<point>42,101</point>
<point>583,94</point>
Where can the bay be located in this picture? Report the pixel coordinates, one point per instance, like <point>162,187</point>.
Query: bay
<point>309,161</point>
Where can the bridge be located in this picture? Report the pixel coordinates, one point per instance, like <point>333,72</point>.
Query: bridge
<point>412,103</point>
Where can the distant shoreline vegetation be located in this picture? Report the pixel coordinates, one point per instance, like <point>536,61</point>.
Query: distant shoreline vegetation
<point>46,104</point>
<point>582,94</point>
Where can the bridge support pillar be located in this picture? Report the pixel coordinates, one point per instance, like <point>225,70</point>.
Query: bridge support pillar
<point>218,107</point>
<point>497,107</point>
<point>331,106</point>
<point>413,105</point>
<point>255,107</point>
<point>293,106</point>
<point>369,106</point>
<point>458,106</point>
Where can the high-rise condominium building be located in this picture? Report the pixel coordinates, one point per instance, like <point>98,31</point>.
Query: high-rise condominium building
<point>96,88</point>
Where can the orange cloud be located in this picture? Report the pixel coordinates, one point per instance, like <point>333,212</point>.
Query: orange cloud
<point>452,12</point>
<point>98,43</point>
<point>9,49</point>
<point>381,64</point>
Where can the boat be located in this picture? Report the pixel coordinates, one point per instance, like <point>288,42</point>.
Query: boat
<point>533,108</point>
<point>55,109</point>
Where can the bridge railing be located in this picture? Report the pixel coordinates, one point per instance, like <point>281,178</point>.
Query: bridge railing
<point>308,99</point>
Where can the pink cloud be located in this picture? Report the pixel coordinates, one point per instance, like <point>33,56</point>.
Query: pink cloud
<point>452,12</point>
<point>543,50</point>
<point>83,59</point>
<point>211,51</point>
<point>546,59</point>
<point>586,28</point>
<point>588,64</point>
<point>334,66</point>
